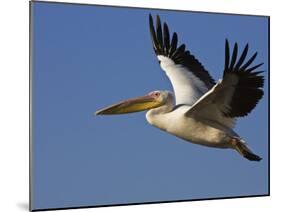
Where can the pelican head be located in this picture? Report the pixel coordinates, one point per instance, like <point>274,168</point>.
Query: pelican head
<point>152,100</point>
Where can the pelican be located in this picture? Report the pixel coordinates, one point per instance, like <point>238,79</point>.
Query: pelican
<point>200,110</point>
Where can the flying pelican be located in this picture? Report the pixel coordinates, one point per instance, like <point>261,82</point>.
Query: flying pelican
<point>200,111</point>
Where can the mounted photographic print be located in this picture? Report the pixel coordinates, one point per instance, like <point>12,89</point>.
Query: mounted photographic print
<point>137,105</point>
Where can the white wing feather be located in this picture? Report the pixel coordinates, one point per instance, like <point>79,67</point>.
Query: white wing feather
<point>187,87</point>
<point>213,104</point>
<point>234,96</point>
<point>189,78</point>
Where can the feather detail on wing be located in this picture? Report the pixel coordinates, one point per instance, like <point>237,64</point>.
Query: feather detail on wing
<point>236,94</point>
<point>189,78</point>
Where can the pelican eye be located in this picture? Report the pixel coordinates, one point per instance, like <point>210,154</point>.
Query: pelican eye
<point>157,94</point>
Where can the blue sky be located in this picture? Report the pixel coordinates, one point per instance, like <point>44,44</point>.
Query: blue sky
<point>88,57</point>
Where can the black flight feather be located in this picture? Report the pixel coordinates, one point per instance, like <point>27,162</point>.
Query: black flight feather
<point>248,89</point>
<point>163,46</point>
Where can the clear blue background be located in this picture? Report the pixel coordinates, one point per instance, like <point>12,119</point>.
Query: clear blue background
<point>87,57</point>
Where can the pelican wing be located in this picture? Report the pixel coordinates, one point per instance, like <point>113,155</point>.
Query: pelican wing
<point>188,77</point>
<point>236,94</point>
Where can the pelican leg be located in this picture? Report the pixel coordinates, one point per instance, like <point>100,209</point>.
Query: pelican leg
<point>243,150</point>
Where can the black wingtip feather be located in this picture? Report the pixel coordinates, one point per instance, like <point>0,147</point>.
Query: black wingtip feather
<point>226,63</point>
<point>159,32</point>
<point>166,39</point>
<point>248,89</point>
<point>234,56</point>
<point>242,58</point>
<point>180,50</point>
<point>174,44</point>
<point>254,67</point>
<point>153,35</point>
<point>163,46</point>
<point>246,65</point>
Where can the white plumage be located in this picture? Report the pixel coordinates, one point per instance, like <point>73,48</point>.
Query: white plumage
<point>205,112</point>
<point>187,87</point>
<point>200,111</point>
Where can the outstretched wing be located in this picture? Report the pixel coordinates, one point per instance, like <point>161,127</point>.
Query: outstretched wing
<point>236,94</point>
<point>189,78</point>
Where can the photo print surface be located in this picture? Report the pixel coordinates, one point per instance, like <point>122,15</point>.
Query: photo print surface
<point>86,58</point>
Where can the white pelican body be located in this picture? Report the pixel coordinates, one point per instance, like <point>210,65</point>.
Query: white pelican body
<point>201,132</point>
<point>200,111</point>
